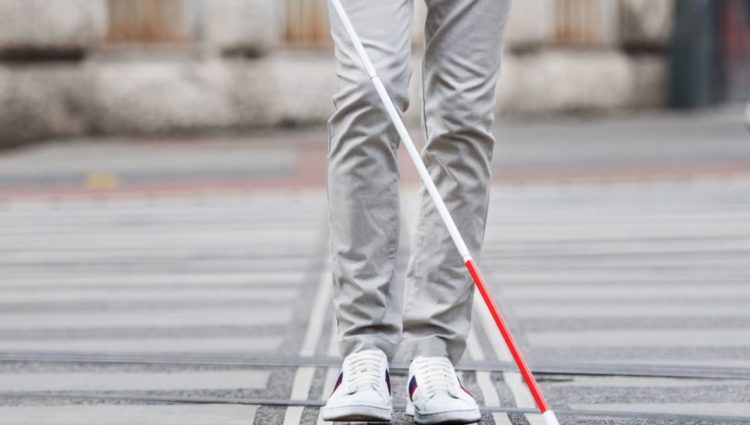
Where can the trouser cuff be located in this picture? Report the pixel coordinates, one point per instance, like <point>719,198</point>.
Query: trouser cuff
<point>352,344</point>
<point>428,347</point>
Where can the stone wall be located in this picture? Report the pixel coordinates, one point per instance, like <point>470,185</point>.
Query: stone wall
<point>646,24</point>
<point>56,80</point>
<point>50,27</point>
<point>529,27</point>
<point>38,103</point>
<point>178,95</point>
<point>628,72</point>
<point>241,27</point>
<point>44,89</point>
<point>224,85</point>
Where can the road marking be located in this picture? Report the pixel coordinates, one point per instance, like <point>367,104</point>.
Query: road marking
<point>204,414</point>
<point>616,247</point>
<point>719,409</point>
<point>317,315</point>
<point>632,338</point>
<point>636,276</point>
<point>127,295</point>
<point>177,237</point>
<point>250,344</point>
<point>484,379</point>
<point>332,374</point>
<point>154,279</point>
<point>304,375</point>
<point>553,310</point>
<point>301,385</point>
<point>518,388</point>
<point>539,232</point>
<point>133,381</point>
<point>652,382</point>
<point>736,263</point>
<point>102,180</point>
<point>581,293</point>
<point>144,318</point>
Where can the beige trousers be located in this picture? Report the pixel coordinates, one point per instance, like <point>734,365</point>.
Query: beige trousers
<point>462,56</point>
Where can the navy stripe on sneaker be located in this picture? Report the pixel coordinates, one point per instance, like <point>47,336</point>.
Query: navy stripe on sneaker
<point>412,387</point>
<point>338,382</point>
<point>388,381</point>
<point>464,388</point>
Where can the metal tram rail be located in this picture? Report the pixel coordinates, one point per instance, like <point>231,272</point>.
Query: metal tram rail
<point>275,402</point>
<point>567,369</point>
<point>544,370</point>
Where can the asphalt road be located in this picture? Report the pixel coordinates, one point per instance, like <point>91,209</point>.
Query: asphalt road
<point>189,283</point>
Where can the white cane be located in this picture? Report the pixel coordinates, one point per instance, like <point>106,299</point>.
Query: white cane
<point>549,415</point>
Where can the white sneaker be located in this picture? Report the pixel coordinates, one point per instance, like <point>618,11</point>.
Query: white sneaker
<point>435,395</point>
<point>363,390</point>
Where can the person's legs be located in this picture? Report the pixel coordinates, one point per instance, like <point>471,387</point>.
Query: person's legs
<point>363,175</point>
<point>461,67</point>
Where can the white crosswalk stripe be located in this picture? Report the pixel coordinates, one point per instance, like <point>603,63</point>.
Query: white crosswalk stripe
<point>649,257</point>
<point>585,273</point>
<point>147,280</point>
<point>245,345</point>
<point>133,381</point>
<point>146,273</point>
<point>148,318</point>
<point>128,415</point>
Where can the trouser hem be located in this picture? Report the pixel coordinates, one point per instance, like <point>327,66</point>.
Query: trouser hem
<point>427,347</point>
<point>356,344</point>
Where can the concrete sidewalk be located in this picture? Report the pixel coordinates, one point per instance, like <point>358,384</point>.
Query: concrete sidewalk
<point>669,147</point>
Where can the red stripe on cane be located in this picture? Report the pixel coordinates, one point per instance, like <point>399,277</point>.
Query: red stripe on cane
<point>515,351</point>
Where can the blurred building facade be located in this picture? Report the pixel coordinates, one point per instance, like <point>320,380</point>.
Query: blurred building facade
<point>77,67</point>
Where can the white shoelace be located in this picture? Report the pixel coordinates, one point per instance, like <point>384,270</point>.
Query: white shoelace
<point>366,369</point>
<point>436,374</point>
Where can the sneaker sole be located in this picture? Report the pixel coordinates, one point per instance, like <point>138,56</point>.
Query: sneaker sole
<point>356,413</point>
<point>455,417</point>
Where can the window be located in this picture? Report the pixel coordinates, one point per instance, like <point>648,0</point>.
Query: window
<point>148,22</point>
<point>306,22</point>
<point>569,22</point>
<point>584,22</point>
